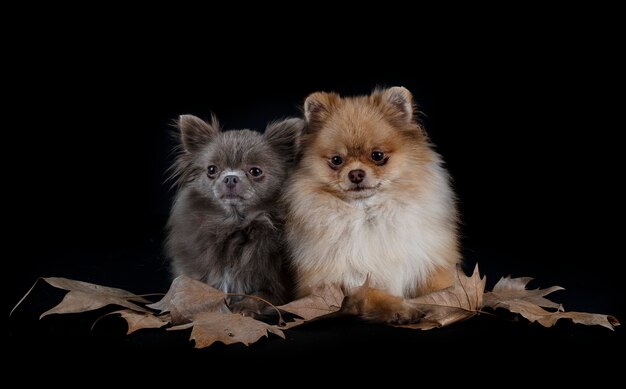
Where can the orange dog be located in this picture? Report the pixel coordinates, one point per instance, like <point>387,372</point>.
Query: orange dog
<point>370,197</point>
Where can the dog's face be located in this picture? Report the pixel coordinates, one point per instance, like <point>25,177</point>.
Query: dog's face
<point>357,148</point>
<point>241,169</point>
<point>237,169</point>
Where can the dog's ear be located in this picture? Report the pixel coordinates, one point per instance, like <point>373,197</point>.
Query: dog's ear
<point>284,136</point>
<point>400,100</point>
<point>195,132</point>
<point>317,107</point>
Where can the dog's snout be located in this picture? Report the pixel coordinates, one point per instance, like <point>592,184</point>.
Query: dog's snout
<point>356,176</point>
<point>231,181</point>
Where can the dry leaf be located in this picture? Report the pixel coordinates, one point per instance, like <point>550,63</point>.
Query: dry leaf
<point>139,320</point>
<point>459,302</point>
<point>323,300</point>
<point>193,304</point>
<point>228,328</point>
<point>84,296</point>
<point>188,297</point>
<point>511,293</point>
<point>510,289</point>
<point>534,313</point>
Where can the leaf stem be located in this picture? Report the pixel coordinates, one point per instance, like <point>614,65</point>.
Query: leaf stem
<point>26,295</point>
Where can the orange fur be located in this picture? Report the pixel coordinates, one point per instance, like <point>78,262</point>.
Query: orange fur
<point>379,306</point>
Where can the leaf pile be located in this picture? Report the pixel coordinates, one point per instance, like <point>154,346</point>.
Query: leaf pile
<point>193,304</point>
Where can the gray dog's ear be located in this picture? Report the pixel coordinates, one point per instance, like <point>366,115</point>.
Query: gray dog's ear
<point>195,132</point>
<point>284,136</point>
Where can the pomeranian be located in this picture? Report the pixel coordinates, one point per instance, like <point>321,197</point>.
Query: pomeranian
<point>225,225</point>
<point>370,199</point>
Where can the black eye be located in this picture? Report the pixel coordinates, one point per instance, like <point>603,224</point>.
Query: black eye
<point>212,170</point>
<point>378,157</point>
<point>336,160</point>
<point>255,172</point>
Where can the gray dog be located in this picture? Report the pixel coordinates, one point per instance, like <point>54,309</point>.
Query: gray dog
<point>225,226</point>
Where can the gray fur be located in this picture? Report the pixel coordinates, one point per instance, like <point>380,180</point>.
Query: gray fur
<point>230,238</point>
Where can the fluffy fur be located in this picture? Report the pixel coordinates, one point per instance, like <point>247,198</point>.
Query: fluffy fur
<point>354,212</point>
<point>225,224</point>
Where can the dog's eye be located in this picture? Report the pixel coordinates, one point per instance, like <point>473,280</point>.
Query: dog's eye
<point>212,170</point>
<point>378,157</point>
<point>336,160</point>
<point>255,172</point>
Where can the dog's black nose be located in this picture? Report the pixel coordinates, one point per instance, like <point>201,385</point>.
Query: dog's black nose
<point>231,181</point>
<point>356,175</point>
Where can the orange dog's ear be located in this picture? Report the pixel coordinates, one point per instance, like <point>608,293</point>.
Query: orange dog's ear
<point>317,107</point>
<point>401,101</point>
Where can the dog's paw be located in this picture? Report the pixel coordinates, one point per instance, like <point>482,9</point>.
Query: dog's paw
<point>406,315</point>
<point>247,307</point>
<point>379,306</point>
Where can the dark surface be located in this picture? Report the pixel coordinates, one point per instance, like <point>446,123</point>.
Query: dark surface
<point>531,149</point>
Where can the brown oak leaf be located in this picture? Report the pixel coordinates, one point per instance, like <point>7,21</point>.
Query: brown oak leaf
<point>196,305</point>
<point>511,294</point>
<point>228,328</point>
<point>458,302</point>
<point>193,304</point>
<point>188,297</point>
<point>323,300</point>
<point>84,296</point>
<point>511,289</point>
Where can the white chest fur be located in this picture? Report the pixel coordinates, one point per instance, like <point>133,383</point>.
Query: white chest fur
<point>397,244</point>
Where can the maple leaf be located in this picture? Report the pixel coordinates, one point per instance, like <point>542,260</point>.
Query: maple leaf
<point>511,289</point>
<point>188,297</point>
<point>228,328</point>
<point>139,320</point>
<point>323,300</point>
<point>458,302</point>
<point>194,304</point>
<point>511,294</point>
<point>84,296</point>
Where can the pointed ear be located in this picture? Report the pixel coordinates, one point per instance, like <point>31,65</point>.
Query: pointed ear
<point>195,132</point>
<point>284,136</point>
<point>317,107</point>
<point>401,100</point>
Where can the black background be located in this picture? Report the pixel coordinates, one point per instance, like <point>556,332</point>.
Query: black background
<point>527,128</point>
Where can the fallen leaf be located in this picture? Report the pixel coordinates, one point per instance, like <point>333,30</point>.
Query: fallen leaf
<point>193,304</point>
<point>188,297</point>
<point>323,300</point>
<point>460,301</point>
<point>139,320</point>
<point>534,313</point>
<point>228,328</point>
<point>511,294</point>
<point>84,296</point>
<point>511,289</point>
